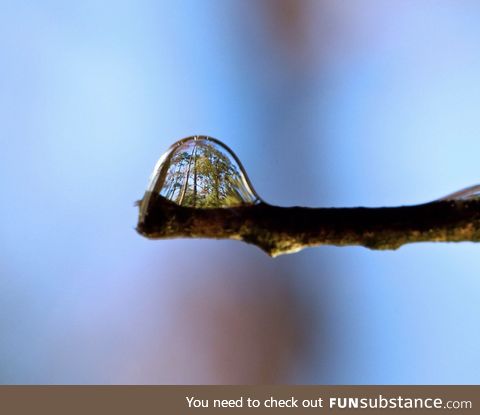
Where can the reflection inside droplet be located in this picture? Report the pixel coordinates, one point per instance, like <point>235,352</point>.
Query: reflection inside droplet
<point>202,172</point>
<point>469,193</point>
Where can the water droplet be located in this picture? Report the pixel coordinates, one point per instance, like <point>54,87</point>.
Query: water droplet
<point>469,193</point>
<point>202,172</point>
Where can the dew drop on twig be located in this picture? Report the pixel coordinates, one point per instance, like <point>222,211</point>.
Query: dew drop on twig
<point>202,172</point>
<point>469,193</point>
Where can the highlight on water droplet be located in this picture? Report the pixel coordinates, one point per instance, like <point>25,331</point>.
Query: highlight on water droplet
<point>202,172</point>
<point>469,193</point>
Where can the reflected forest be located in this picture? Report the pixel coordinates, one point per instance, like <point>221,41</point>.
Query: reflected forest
<point>200,173</point>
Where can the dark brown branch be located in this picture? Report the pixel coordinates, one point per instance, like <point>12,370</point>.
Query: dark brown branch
<point>281,230</point>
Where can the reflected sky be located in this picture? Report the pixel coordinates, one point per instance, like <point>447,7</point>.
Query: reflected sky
<point>326,104</point>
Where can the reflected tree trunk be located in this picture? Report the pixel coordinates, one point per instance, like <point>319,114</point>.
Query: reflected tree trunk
<point>195,179</point>
<point>187,175</point>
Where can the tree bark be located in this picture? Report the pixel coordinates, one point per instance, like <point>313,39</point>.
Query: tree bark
<point>281,230</point>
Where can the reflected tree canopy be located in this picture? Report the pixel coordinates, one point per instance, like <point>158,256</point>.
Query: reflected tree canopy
<point>200,172</point>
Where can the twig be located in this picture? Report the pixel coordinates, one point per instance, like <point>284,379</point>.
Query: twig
<point>281,230</point>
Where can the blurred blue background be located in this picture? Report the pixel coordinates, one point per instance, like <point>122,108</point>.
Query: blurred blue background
<point>327,103</point>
